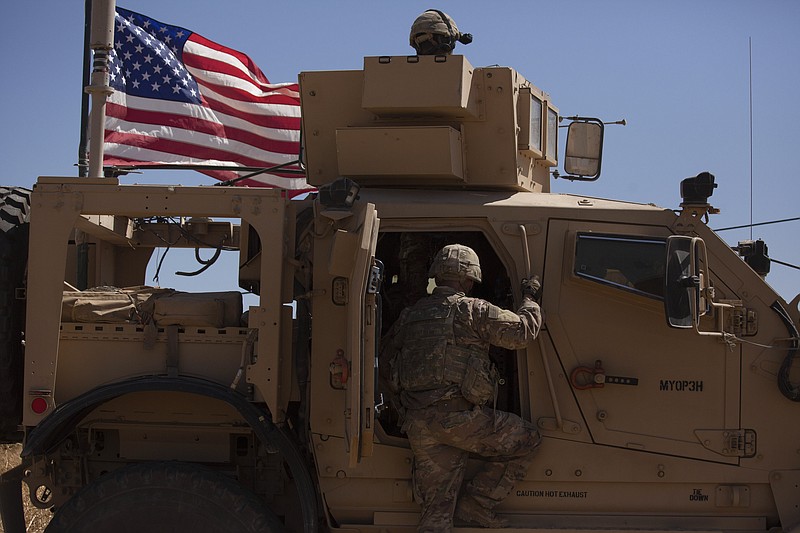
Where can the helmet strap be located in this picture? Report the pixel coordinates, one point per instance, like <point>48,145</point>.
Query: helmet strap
<point>466,285</point>
<point>446,21</point>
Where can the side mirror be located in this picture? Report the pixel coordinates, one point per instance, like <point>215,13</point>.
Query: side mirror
<point>584,152</point>
<point>686,281</point>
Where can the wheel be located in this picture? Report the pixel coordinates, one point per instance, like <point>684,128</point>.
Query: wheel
<point>15,205</point>
<point>164,497</point>
<point>14,208</point>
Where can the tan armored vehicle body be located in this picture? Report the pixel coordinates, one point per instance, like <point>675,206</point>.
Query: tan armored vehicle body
<point>662,384</point>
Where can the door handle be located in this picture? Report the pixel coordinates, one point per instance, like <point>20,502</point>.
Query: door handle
<point>585,377</point>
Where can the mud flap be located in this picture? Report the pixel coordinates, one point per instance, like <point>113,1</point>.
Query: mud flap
<point>14,227</point>
<point>12,516</point>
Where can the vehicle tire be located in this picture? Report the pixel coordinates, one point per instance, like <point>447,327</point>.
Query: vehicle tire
<point>164,497</point>
<point>14,209</point>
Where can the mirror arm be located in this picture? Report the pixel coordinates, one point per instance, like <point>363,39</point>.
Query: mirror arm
<point>570,177</point>
<point>707,294</point>
<point>729,338</point>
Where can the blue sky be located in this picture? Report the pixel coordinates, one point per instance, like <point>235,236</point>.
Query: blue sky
<point>677,71</point>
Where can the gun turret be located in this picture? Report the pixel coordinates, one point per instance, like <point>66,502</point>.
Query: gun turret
<point>428,121</point>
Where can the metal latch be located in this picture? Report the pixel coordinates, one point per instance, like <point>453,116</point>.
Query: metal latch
<point>742,442</point>
<point>741,321</point>
<point>340,371</point>
<point>745,322</point>
<point>375,276</point>
<point>729,442</point>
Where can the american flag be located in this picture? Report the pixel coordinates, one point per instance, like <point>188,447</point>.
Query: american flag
<point>182,99</point>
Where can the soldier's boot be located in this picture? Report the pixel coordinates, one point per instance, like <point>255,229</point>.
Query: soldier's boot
<point>472,512</point>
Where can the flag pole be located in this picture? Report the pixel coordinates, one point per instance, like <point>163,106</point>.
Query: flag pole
<point>83,139</point>
<point>101,41</point>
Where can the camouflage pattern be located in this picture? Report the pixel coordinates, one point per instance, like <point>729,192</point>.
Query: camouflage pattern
<point>456,262</point>
<point>477,324</point>
<point>533,288</point>
<point>442,442</point>
<point>430,30</point>
<point>441,426</point>
<point>430,357</point>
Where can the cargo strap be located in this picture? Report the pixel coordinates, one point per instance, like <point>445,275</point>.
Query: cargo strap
<point>150,336</point>
<point>172,351</point>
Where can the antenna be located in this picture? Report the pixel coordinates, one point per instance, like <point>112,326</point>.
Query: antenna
<point>750,47</point>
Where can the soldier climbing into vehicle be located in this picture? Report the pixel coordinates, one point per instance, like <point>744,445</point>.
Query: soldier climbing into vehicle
<point>436,358</point>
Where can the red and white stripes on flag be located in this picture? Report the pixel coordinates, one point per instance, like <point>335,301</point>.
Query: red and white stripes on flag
<point>182,99</point>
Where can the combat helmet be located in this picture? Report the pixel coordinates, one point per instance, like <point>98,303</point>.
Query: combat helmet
<point>435,33</point>
<point>456,262</point>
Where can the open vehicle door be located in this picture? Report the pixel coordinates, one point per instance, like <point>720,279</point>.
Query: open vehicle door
<point>347,278</point>
<point>363,334</point>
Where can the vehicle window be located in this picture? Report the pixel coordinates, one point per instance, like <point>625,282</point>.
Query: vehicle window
<point>629,263</point>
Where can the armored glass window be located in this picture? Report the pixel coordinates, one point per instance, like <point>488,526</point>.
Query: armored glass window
<point>536,124</point>
<point>628,263</point>
<point>552,135</point>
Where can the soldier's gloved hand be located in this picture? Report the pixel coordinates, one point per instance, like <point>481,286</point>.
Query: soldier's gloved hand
<point>532,288</point>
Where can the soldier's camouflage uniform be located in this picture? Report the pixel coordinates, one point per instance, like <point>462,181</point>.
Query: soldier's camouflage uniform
<point>428,351</point>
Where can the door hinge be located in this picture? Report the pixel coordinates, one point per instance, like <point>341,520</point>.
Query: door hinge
<point>728,442</point>
<point>375,276</point>
<point>741,321</point>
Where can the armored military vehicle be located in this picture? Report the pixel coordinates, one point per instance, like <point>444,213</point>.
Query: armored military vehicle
<point>663,383</point>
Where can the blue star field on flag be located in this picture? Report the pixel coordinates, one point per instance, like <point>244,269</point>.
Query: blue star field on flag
<point>147,59</point>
